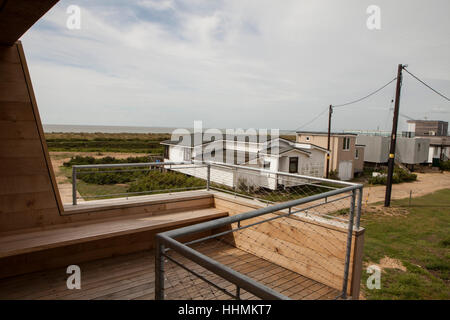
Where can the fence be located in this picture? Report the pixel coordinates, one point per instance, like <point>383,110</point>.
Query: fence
<point>271,246</point>
<point>135,171</point>
<point>287,235</point>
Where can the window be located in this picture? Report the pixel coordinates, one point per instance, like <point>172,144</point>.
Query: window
<point>166,152</point>
<point>293,164</point>
<point>187,154</point>
<point>266,165</point>
<point>346,145</point>
<point>308,138</point>
<point>356,154</point>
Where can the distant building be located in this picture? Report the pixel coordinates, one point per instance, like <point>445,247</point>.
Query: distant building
<point>436,132</point>
<point>425,128</point>
<point>409,151</point>
<point>276,155</point>
<point>346,156</point>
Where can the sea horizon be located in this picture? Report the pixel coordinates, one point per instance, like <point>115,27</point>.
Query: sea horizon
<point>72,128</point>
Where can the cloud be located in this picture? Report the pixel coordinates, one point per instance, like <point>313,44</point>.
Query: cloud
<point>234,63</point>
<point>157,5</point>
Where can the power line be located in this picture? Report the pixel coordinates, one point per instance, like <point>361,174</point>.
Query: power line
<point>429,87</point>
<point>310,121</point>
<point>365,97</point>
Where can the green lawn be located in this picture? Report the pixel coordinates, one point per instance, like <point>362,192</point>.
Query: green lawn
<point>418,236</point>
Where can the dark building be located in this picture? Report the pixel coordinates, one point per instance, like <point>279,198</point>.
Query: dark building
<point>428,127</point>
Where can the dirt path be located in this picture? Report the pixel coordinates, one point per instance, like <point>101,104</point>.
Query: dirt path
<point>426,183</point>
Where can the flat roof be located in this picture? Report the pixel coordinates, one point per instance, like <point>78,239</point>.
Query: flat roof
<point>321,133</point>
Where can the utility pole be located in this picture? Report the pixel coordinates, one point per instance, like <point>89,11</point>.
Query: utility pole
<point>330,112</point>
<point>387,199</point>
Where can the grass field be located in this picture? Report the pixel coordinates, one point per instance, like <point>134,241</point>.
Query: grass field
<point>107,142</point>
<point>418,237</point>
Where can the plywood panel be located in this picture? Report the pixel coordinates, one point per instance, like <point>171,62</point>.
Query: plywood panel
<point>24,184</point>
<point>23,166</point>
<point>17,130</point>
<point>13,91</point>
<point>20,148</point>
<point>314,249</point>
<point>16,111</point>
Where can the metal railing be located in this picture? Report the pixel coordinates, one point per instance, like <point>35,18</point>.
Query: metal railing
<point>167,242</point>
<point>78,170</point>
<point>286,197</point>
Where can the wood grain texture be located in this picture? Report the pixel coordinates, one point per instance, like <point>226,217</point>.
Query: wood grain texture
<point>132,277</point>
<point>313,249</point>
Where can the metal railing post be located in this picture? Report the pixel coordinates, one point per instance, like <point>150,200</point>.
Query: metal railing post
<point>208,176</point>
<point>74,185</point>
<point>349,244</point>
<point>159,270</point>
<point>358,207</point>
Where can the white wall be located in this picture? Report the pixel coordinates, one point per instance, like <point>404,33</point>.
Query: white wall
<point>176,154</point>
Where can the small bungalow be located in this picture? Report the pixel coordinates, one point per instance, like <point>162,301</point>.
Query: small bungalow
<point>274,155</point>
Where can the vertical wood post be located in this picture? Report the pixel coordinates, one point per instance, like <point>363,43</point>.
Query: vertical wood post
<point>387,198</point>
<point>330,112</point>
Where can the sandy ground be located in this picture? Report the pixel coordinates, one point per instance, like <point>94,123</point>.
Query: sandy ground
<point>426,183</point>
<point>64,185</point>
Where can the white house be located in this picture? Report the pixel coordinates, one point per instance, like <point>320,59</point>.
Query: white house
<point>275,155</point>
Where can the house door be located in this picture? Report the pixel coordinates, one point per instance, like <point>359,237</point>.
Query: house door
<point>345,170</point>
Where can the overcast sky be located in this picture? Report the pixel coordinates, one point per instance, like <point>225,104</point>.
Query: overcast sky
<point>260,63</point>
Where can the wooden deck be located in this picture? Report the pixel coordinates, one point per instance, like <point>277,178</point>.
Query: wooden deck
<point>132,277</point>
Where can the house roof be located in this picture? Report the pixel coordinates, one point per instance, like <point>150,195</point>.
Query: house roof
<point>191,141</point>
<point>282,150</point>
<point>239,157</point>
<point>321,133</point>
<point>313,145</point>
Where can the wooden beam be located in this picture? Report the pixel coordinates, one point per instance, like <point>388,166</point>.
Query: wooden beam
<point>17,16</point>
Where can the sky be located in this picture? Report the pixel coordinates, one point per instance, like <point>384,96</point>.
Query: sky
<point>239,63</point>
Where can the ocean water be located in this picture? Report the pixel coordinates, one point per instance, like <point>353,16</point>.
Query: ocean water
<point>104,129</point>
<point>67,128</point>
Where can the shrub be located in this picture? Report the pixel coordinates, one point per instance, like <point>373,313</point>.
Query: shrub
<point>445,165</point>
<point>118,175</point>
<point>400,175</point>
<point>156,180</point>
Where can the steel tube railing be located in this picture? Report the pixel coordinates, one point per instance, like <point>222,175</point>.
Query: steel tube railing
<point>253,214</point>
<point>225,272</point>
<point>242,281</point>
<point>76,172</point>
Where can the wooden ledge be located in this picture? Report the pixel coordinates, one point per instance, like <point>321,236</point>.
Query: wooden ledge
<point>135,201</point>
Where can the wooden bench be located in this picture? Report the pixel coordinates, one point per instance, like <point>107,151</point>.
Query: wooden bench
<point>72,233</point>
<point>36,249</point>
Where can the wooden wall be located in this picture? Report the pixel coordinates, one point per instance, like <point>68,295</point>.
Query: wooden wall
<point>28,192</point>
<point>312,249</point>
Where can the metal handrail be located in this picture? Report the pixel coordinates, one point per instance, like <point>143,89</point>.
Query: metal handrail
<point>75,172</point>
<point>167,239</point>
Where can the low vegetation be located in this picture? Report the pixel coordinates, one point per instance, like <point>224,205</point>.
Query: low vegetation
<point>445,165</point>
<point>418,237</point>
<point>400,175</point>
<point>95,183</point>
<point>156,180</point>
<point>106,142</point>
<point>113,176</point>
